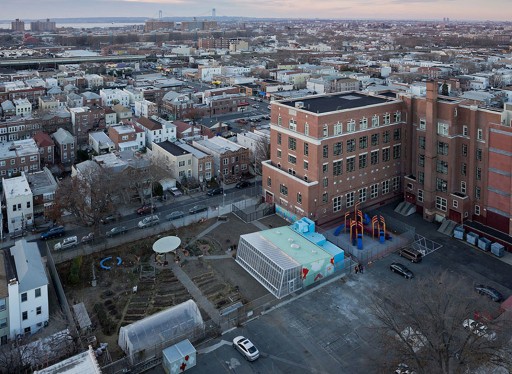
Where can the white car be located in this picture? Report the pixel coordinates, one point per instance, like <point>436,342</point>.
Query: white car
<point>67,243</point>
<point>479,329</point>
<point>246,348</point>
<point>149,221</point>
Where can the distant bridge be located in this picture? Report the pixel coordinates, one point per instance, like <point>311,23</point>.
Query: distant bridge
<point>47,62</point>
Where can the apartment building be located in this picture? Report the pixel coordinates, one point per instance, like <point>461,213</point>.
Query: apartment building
<point>330,151</point>
<point>230,160</point>
<point>24,305</point>
<point>202,163</point>
<point>178,161</point>
<point>43,186</point>
<point>23,107</point>
<point>18,156</point>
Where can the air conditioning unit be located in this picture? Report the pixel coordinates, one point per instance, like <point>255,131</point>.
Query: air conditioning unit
<point>299,104</point>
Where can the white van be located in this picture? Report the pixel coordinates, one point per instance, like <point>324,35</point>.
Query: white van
<point>67,243</point>
<point>149,221</point>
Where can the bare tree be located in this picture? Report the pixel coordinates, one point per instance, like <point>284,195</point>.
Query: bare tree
<point>422,326</point>
<point>261,153</point>
<point>88,196</point>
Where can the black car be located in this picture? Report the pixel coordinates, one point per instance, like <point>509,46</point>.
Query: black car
<point>242,184</point>
<point>396,267</point>
<point>492,293</point>
<point>215,191</point>
<point>54,232</point>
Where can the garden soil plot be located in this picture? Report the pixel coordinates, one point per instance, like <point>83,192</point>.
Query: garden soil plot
<point>112,303</point>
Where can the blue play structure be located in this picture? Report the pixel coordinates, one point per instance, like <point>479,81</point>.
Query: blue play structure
<point>106,267</point>
<point>306,228</point>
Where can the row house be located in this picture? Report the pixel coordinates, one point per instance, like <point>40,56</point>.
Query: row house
<point>230,159</point>
<point>65,147</point>
<point>176,160</point>
<point>46,147</point>
<point>74,100</point>
<point>177,105</point>
<point>202,163</point>
<point>94,81</point>
<point>227,103</point>
<point>32,94</point>
<point>153,94</point>
<point>111,97</point>
<point>332,84</point>
<point>329,152</point>
<point>127,136</point>
<point>18,156</point>
<point>157,130</point>
<point>50,121</point>
<point>187,131</point>
<point>17,128</point>
<point>145,108</point>
<point>24,307</point>
<point>122,113</point>
<point>87,119</point>
<point>23,107</point>
<point>100,143</point>
<point>91,99</point>
<point>43,186</point>
<point>134,95</point>
<point>8,108</point>
<point>51,103</point>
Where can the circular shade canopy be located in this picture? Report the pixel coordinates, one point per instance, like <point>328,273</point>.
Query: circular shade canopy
<point>166,244</point>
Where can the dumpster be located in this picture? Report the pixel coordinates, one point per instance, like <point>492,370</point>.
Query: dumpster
<point>458,232</point>
<point>472,238</point>
<point>497,249</point>
<point>484,244</point>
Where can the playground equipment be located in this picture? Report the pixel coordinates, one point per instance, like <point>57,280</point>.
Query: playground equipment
<point>358,224</point>
<point>106,267</point>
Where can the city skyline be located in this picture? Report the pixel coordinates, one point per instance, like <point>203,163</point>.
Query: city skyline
<point>325,9</point>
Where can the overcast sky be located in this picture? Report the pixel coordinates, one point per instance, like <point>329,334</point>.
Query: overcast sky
<point>340,9</point>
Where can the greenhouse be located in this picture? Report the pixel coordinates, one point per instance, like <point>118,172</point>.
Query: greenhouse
<point>284,260</point>
<point>151,334</point>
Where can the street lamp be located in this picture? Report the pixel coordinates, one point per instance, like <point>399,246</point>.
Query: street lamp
<point>222,186</point>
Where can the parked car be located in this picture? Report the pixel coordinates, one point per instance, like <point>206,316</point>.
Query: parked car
<point>396,267</point>
<point>197,209</point>
<point>67,243</point>
<point>115,231</point>
<point>175,215</point>
<point>410,254</point>
<point>54,232</point>
<point>88,238</point>
<point>479,329</point>
<point>149,221</point>
<point>492,293</point>
<point>246,348</point>
<point>215,191</point>
<point>255,106</point>
<point>242,184</point>
<point>175,191</point>
<point>110,218</point>
<point>146,209</point>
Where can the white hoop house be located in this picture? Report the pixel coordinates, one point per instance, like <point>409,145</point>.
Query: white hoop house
<point>160,330</point>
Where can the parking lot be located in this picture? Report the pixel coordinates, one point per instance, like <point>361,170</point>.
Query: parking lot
<point>331,330</point>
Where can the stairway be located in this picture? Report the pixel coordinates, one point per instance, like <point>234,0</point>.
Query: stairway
<point>447,227</point>
<point>405,208</point>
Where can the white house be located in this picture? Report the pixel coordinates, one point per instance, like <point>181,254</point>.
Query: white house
<point>134,94</point>
<point>100,142</point>
<point>27,286</point>
<point>145,108</point>
<point>111,97</point>
<point>23,107</point>
<point>157,129</point>
<point>19,202</point>
<point>94,81</point>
